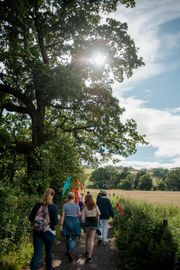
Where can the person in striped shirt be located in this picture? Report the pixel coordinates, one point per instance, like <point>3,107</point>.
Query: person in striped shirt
<point>70,225</point>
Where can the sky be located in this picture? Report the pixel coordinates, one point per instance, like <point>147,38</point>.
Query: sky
<point>152,95</point>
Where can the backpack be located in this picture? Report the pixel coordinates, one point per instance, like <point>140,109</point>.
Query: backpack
<point>42,219</point>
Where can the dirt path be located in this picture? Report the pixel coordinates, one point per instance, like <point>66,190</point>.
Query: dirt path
<point>104,257</point>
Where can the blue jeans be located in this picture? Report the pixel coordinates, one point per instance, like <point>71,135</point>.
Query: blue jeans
<point>71,242</point>
<point>39,239</point>
<point>71,231</point>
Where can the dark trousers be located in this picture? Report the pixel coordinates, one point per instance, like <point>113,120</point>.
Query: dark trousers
<point>39,240</point>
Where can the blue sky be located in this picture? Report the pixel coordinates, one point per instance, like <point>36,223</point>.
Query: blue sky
<point>152,95</point>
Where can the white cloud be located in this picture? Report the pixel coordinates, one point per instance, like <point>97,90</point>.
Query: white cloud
<point>145,164</point>
<point>149,165</point>
<point>162,128</point>
<point>145,22</point>
<point>171,42</point>
<point>148,92</point>
<point>175,110</point>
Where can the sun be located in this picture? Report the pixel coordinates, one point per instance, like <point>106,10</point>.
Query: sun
<point>97,59</point>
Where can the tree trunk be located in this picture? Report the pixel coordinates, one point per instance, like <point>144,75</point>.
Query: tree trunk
<point>37,129</point>
<point>34,160</point>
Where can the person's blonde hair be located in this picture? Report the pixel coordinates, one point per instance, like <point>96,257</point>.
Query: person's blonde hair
<point>48,196</point>
<point>70,196</point>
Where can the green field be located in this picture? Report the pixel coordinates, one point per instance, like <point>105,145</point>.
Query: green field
<point>171,198</point>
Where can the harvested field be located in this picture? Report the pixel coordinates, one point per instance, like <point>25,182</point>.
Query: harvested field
<point>171,198</point>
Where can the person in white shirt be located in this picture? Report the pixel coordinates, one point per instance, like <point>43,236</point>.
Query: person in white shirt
<point>90,217</point>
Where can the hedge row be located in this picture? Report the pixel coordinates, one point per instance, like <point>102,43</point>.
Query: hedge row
<point>148,236</point>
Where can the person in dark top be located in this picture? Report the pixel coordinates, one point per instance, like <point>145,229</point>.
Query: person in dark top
<point>81,201</point>
<point>98,196</point>
<point>106,211</point>
<point>44,235</point>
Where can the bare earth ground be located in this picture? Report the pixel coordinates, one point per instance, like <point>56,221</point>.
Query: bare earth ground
<point>104,257</point>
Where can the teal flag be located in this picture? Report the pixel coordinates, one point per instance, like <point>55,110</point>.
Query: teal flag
<point>66,184</point>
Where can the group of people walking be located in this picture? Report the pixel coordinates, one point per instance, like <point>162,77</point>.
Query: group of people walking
<point>88,215</point>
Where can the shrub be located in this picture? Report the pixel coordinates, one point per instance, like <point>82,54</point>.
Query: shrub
<point>15,244</point>
<point>145,242</point>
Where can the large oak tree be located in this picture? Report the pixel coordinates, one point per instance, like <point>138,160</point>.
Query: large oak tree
<point>49,84</point>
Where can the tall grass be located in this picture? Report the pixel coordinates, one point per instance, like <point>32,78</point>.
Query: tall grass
<point>143,237</point>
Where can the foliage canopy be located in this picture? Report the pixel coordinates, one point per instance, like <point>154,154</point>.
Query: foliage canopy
<point>48,85</point>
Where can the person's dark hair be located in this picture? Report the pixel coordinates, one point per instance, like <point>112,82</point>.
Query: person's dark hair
<point>89,202</point>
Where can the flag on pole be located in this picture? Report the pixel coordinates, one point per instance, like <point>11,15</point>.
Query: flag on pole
<point>79,183</point>
<point>120,209</point>
<point>66,184</point>
<point>76,194</point>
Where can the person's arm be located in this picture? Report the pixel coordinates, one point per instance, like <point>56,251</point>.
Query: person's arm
<point>62,217</point>
<point>56,216</point>
<point>83,215</point>
<point>79,212</point>
<point>98,212</point>
<point>62,220</point>
<point>53,212</point>
<point>34,211</point>
<point>111,210</point>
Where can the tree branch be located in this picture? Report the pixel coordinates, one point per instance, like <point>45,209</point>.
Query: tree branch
<point>14,108</point>
<point>21,97</point>
<point>60,107</point>
<point>23,147</point>
<point>74,129</point>
<point>40,36</point>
